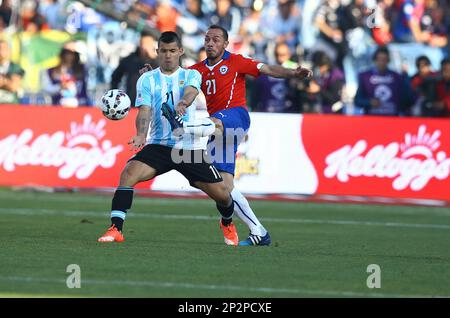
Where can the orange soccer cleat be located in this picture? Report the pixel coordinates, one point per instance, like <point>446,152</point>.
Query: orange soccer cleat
<point>229,233</point>
<point>112,235</point>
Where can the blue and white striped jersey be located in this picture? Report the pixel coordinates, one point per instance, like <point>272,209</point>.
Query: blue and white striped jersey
<point>154,88</point>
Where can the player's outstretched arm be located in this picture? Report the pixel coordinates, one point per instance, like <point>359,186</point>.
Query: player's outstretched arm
<point>282,72</point>
<point>142,125</point>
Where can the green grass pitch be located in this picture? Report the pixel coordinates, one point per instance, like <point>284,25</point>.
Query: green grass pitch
<point>174,248</point>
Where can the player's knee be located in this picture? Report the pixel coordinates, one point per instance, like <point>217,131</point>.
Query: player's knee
<point>228,182</point>
<point>128,177</point>
<point>229,187</point>
<point>223,196</point>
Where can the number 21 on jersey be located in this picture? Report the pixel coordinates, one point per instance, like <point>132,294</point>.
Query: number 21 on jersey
<point>210,87</point>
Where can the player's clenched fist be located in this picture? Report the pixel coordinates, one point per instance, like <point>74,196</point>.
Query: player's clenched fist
<point>302,72</point>
<point>181,107</point>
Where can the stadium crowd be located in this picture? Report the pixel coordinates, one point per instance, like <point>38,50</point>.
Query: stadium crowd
<point>348,43</point>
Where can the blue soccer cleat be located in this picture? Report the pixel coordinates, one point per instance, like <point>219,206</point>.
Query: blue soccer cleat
<point>256,240</point>
<point>175,121</point>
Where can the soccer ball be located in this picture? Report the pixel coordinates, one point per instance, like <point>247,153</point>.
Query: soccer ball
<point>115,104</point>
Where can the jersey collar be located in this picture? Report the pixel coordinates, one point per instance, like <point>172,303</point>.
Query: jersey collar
<point>226,55</point>
<point>170,75</point>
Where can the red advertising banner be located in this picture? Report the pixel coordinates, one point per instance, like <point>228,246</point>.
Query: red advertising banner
<point>378,156</point>
<point>55,146</point>
<point>315,154</point>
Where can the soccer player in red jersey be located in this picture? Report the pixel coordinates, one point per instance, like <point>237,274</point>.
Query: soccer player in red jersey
<point>223,84</point>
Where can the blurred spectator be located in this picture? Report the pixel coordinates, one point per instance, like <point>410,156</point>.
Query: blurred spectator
<point>284,56</point>
<point>407,26</point>
<point>420,82</point>
<point>10,76</point>
<point>226,15</point>
<point>424,72</point>
<point>353,15</point>
<point>282,24</point>
<point>331,38</point>
<point>382,91</point>
<point>66,82</point>
<point>254,41</point>
<point>353,21</point>
<point>54,14</point>
<point>192,23</point>
<point>437,103</point>
<point>5,13</point>
<point>432,23</point>
<point>31,20</point>
<point>325,89</point>
<point>140,10</point>
<point>272,94</point>
<point>166,16</point>
<point>309,31</point>
<point>130,65</point>
<point>443,89</point>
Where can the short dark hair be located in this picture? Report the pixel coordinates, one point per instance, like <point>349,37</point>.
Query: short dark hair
<point>320,58</point>
<point>224,31</point>
<point>169,37</point>
<point>147,33</point>
<point>381,50</point>
<point>422,58</point>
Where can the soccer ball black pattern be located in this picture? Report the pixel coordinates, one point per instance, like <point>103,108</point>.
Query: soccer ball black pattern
<point>115,104</point>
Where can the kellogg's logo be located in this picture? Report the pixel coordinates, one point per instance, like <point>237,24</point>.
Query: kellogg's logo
<point>412,163</point>
<point>76,153</point>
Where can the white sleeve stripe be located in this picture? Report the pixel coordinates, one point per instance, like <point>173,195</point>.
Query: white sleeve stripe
<point>152,88</point>
<point>139,82</point>
<point>232,90</point>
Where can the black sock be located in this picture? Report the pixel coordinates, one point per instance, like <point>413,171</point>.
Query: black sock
<point>121,202</point>
<point>117,222</point>
<point>226,212</point>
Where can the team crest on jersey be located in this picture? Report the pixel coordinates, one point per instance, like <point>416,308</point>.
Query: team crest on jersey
<point>181,83</point>
<point>223,69</point>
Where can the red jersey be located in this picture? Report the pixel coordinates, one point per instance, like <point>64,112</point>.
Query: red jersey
<point>224,83</point>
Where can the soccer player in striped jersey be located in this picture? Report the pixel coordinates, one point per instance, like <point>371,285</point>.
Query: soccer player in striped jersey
<point>161,150</point>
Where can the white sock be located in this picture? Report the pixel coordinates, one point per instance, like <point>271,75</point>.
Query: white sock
<point>201,127</point>
<point>243,210</point>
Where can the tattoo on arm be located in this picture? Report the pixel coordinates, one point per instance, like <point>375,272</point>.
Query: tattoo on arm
<point>142,122</point>
<point>142,126</point>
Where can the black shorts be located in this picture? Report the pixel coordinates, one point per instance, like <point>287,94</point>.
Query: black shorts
<point>194,165</point>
